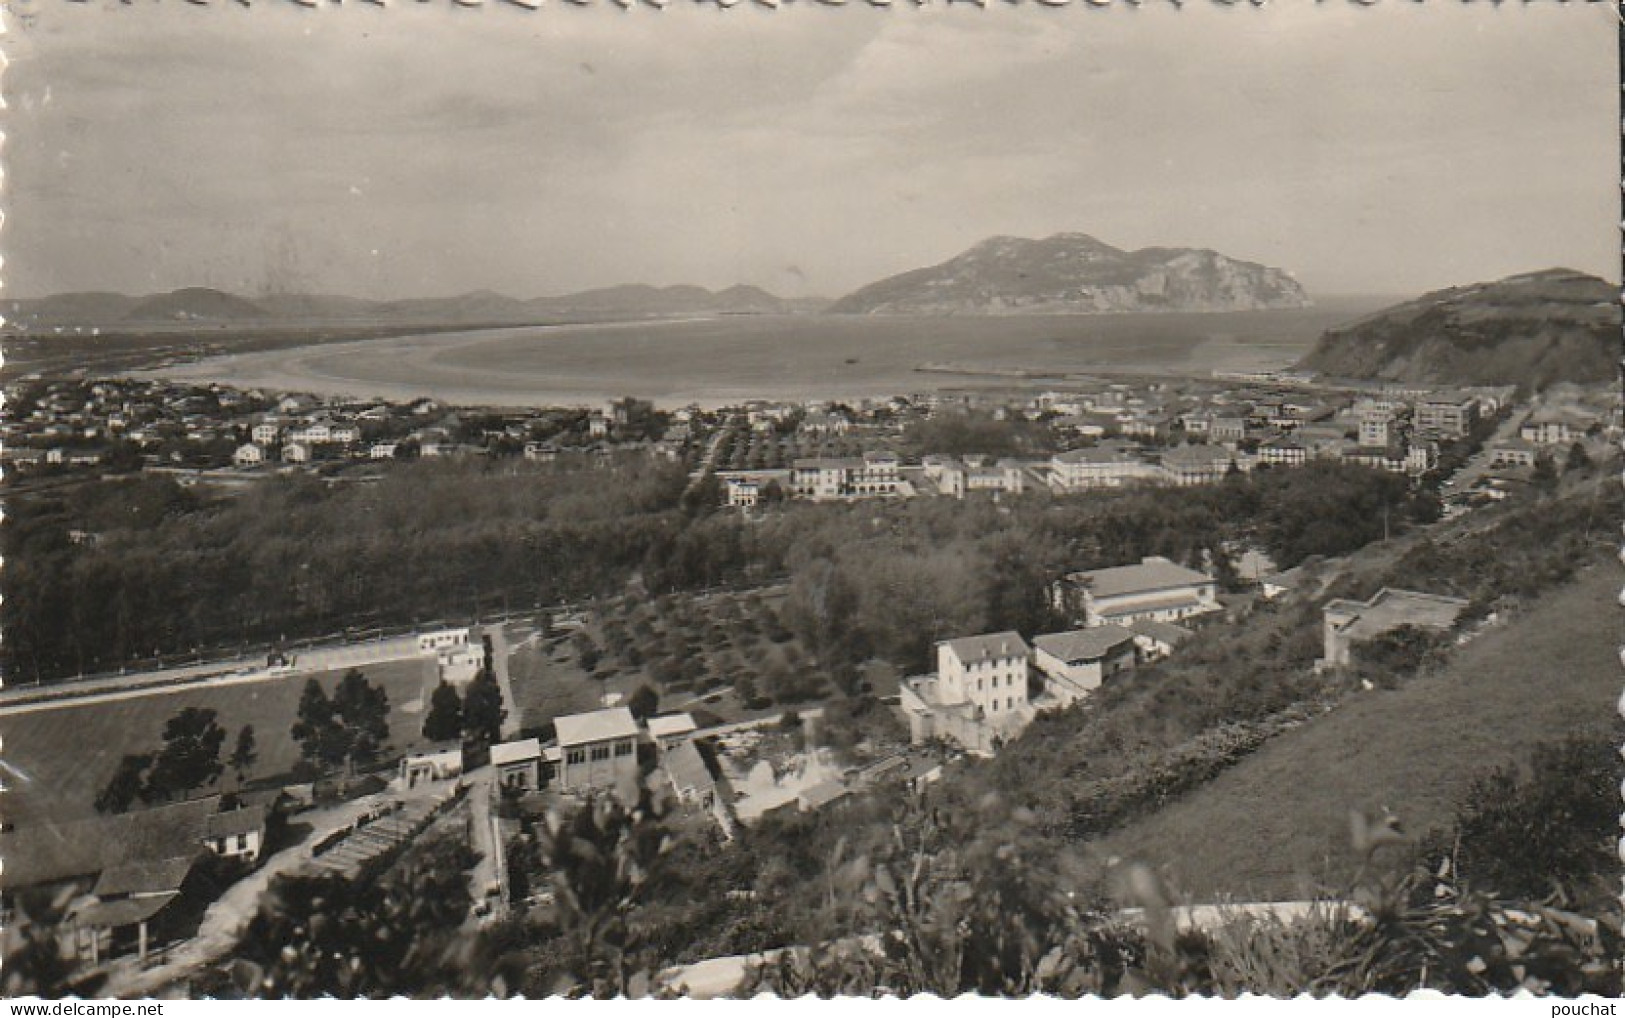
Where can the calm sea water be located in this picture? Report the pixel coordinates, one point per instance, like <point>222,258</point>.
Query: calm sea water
<point>717,360</point>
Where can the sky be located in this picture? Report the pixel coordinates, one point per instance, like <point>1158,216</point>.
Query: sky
<point>426,149</point>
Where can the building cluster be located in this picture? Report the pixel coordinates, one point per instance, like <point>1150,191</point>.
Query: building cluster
<point>122,877</point>
<point>129,425</point>
<point>988,688</point>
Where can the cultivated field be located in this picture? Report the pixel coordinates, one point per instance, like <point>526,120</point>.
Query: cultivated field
<point>1277,825</point>
<point>59,759</point>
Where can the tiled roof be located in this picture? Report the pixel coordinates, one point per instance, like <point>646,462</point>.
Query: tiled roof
<point>1084,644</point>
<point>1150,575</point>
<point>144,877</point>
<point>990,645</point>
<point>236,821</point>
<point>670,724</point>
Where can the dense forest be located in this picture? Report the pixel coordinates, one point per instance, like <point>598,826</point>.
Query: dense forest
<point>118,572</point>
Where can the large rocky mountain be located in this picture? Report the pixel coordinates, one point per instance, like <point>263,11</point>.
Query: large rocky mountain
<point>204,306</point>
<point>1538,328</point>
<point>1073,273</point>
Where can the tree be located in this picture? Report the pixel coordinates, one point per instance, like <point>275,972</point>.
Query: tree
<point>483,712</point>
<point>190,757</point>
<point>1578,458</point>
<point>362,712</point>
<point>317,729</point>
<point>244,754</point>
<point>644,702</point>
<point>128,783</point>
<point>444,721</point>
<point>1544,476</point>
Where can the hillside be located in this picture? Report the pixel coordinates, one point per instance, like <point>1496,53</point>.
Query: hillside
<point>1550,672</point>
<point>642,300</point>
<point>480,307</point>
<point>1073,273</point>
<point>1538,328</point>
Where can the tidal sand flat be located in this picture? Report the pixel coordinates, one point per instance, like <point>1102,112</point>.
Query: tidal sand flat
<point>719,360</point>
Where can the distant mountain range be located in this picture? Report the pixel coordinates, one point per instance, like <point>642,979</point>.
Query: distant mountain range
<point>204,306</point>
<point>1536,329</point>
<point>1073,273</point>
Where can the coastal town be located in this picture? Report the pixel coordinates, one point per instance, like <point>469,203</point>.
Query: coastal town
<point>1109,434</point>
<point>187,873</point>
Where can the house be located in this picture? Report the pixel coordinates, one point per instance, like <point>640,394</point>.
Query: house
<point>237,833</point>
<point>1188,465</point>
<point>670,730</point>
<point>1155,588</point>
<point>266,432</point>
<point>597,750</point>
<point>459,663</point>
<point>1377,428</point>
<point>978,696</point>
<point>249,455</point>
<point>1076,663</point>
<point>1283,452</point>
<point>382,450</point>
<point>1156,640</point>
<point>518,764</point>
<point>294,452</point>
<point>1514,452</point>
<point>1446,416</point>
<point>598,424</point>
<point>819,423</point>
<point>1100,467</point>
<point>743,494</point>
<point>1553,426</point>
<point>1227,430</point>
<point>126,899</point>
<point>1346,622</point>
<point>420,768</point>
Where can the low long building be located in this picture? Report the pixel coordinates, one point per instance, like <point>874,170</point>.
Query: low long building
<point>1155,588</point>
<point>1077,663</point>
<point>1347,622</point>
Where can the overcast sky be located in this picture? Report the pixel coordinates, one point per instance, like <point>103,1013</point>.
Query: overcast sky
<point>425,150</point>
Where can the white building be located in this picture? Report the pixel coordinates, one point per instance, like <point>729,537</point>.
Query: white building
<point>295,452</point>
<point>249,455</point>
<point>1083,469</point>
<point>978,696</point>
<point>1155,588</point>
<point>597,750</point>
<point>442,639</point>
<point>236,834</point>
<point>1076,663</point>
<point>518,764</point>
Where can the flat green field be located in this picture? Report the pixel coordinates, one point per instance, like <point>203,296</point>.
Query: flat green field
<point>58,760</point>
<point>1276,826</point>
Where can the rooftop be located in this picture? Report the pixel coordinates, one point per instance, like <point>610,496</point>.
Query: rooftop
<point>516,752</point>
<point>671,724</point>
<point>991,645</point>
<point>1390,609</point>
<point>1151,574</point>
<point>596,726</point>
<point>1084,644</point>
<point>1163,632</point>
<point>144,877</point>
<point>51,852</point>
<point>236,821</point>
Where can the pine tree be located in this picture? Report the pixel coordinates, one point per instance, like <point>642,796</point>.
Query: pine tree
<point>483,712</point>
<point>444,721</point>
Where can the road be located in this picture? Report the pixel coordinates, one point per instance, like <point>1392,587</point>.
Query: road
<point>499,662</point>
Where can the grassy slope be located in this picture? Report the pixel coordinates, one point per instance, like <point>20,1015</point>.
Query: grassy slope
<point>1276,825</point>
